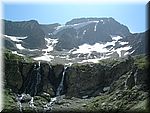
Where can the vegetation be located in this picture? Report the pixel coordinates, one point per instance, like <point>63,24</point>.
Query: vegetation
<point>9,56</point>
<point>109,61</point>
<point>9,102</point>
<point>141,61</point>
<point>120,100</point>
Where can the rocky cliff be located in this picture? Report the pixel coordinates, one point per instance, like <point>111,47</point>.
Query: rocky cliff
<point>41,80</point>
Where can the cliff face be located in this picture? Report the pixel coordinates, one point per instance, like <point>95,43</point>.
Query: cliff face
<point>24,77</point>
<point>108,85</point>
<point>94,79</point>
<point>79,80</point>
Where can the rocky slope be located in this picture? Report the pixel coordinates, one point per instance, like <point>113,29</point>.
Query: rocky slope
<point>105,86</point>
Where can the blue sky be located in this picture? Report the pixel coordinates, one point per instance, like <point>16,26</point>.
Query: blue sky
<point>131,15</point>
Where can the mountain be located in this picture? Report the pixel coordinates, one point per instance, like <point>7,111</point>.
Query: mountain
<point>30,29</point>
<point>63,77</point>
<point>89,30</point>
<point>79,40</point>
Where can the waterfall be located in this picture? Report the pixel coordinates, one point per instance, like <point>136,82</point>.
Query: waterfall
<point>135,77</point>
<point>30,86</point>
<point>19,98</point>
<point>49,105</point>
<point>60,87</point>
<point>39,63</point>
<point>32,81</point>
<point>31,104</point>
<point>38,78</point>
<point>126,81</point>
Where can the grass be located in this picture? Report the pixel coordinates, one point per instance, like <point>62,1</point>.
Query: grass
<point>141,61</point>
<point>7,55</point>
<point>9,102</point>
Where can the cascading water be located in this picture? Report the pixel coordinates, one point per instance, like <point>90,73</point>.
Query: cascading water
<point>60,88</point>
<point>32,81</point>
<point>126,81</point>
<point>38,78</point>
<point>49,105</point>
<point>30,86</point>
<point>135,77</point>
<point>31,103</point>
<point>19,104</point>
<point>132,76</point>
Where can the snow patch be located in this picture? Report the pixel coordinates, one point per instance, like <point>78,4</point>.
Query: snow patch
<point>119,50</point>
<point>44,58</point>
<point>86,48</point>
<point>75,26</point>
<point>19,46</point>
<point>123,43</point>
<point>50,44</point>
<point>84,32</point>
<point>15,39</point>
<point>110,43</point>
<point>15,52</point>
<point>102,49</point>
<point>33,49</point>
<point>116,38</point>
<point>95,26</point>
<point>80,25</point>
<point>93,60</point>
